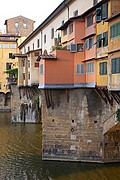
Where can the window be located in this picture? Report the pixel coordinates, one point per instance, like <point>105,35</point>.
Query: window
<point>36,64</point>
<point>79,47</point>
<point>23,62</point>
<point>24,25</point>
<point>52,33</point>
<point>90,67</point>
<point>75,13</point>
<point>102,40</point>
<point>28,48</point>
<point>41,69</point>
<point>99,40</point>
<point>115,30</point>
<point>10,55</point>
<point>33,46</point>
<point>38,43</point>
<point>116,65</point>
<point>45,38</point>
<point>105,38</point>
<point>95,2</point>
<point>13,46</point>
<point>89,20</point>
<point>65,32</point>
<point>70,28</point>
<point>23,76</point>
<point>79,68</point>
<point>0,46</point>
<point>5,46</point>
<point>28,63</point>
<point>8,66</point>
<point>89,43</point>
<point>16,25</point>
<point>102,12</point>
<point>63,22</point>
<point>103,68</point>
<point>29,75</point>
<point>105,11</point>
<point>0,86</point>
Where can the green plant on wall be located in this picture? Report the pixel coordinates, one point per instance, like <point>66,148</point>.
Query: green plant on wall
<point>118,115</point>
<point>14,72</point>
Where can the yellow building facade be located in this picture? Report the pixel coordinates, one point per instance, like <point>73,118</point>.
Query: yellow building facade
<point>106,9</point>
<point>114,53</point>
<point>8,46</point>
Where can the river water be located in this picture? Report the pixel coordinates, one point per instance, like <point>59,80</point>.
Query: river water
<point>20,157</point>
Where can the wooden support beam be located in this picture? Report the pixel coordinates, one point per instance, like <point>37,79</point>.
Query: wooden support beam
<point>99,93</point>
<point>51,101</point>
<point>67,95</point>
<point>115,97</point>
<point>110,100</point>
<point>47,98</point>
<point>57,100</point>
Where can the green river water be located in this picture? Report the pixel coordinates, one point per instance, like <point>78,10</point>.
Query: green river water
<point>20,157</point>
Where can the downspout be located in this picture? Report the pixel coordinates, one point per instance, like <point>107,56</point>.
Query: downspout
<point>41,40</point>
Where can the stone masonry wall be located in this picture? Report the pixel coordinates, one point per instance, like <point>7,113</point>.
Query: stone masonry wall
<point>72,128</point>
<point>5,102</point>
<point>24,105</point>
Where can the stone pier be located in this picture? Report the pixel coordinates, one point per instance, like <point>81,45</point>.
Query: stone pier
<point>25,104</point>
<point>5,102</point>
<point>73,127</point>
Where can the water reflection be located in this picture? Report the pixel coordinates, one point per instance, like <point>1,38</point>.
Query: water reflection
<point>20,158</point>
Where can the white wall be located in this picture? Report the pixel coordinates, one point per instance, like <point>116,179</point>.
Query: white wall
<point>80,5</point>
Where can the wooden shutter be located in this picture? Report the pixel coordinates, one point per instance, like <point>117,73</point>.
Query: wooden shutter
<point>98,14</point>
<point>105,11</point>
<point>7,66</point>
<point>105,38</point>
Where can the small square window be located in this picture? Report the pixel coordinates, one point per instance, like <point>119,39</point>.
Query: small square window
<point>16,25</point>
<point>75,13</point>
<point>24,25</point>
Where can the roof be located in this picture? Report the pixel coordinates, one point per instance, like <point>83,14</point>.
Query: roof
<point>47,57</point>
<point>65,25</point>
<point>55,13</point>
<point>16,18</point>
<point>19,55</point>
<point>58,10</point>
<point>9,35</point>
<point>7,40</point>
<point>113,17</point>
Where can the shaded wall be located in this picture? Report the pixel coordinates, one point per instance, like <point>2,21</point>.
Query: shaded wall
<point>72,122</point>
<point>25,104</point>
<point>5,102</point>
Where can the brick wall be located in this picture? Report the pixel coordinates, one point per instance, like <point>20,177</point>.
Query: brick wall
<point>10,26</point>
<point>72,128</point>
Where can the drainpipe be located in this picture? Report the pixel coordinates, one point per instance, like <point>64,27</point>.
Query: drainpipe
<point>41,40</point>
<point>67,9</point>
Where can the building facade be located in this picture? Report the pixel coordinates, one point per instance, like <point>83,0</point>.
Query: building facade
<point>19,25</point>
<point>78,107</point>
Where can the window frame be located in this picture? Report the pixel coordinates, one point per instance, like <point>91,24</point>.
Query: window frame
<point>90,20</point>
<point>71,28</point>
<point>41,69</point>
<point>79,69</point>
<point>90,68</point>
<point>115,65</point>
<point>103,68</point>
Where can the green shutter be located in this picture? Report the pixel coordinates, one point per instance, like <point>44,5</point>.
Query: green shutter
<point>117,65</point>
<point>98,14</point>
<point>10,55</point>
<point>113,66</point>
<point>7,66</point>
<point>105,38</point>
<point>105,11</point>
